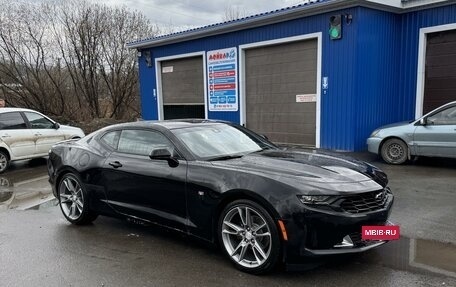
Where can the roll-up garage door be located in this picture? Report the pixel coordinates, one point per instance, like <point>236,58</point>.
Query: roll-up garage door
<point>280,91</point>
<point>183,88</point>
<point>440,70</point>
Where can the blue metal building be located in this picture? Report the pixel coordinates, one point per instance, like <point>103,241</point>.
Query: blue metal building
<point>394,60</point>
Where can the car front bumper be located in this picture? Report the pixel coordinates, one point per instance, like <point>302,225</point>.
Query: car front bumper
<point>373,145</point>
<point>316,233</point>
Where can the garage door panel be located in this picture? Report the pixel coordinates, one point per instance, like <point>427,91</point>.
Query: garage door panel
<point>443,83</point>
<point>185,84</point>
<point>291,138</point>
<point>441,60</point>
<point>279,129</point>
<point>268,81</point>
<point>442,37</point>
<point>279,58</point>
<point>290,48</point>
<point>443,71</point>
<point>292,67</point>
<point>275,108</point>
<point>307,77</point>
<point>275,98</point>
<point>274,76</point>
<point>283,118</point>
<point>440,70</point>
<point>441,94</point>
<point>441,49</point>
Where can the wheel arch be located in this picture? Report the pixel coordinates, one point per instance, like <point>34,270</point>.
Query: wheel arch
<point>238,194</point>
<point>409,155</point>
<point>64,170</point>
<point>4,149</point>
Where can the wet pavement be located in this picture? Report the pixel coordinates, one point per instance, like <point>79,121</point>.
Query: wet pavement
<point>25,185</point>
<point>39,248</point>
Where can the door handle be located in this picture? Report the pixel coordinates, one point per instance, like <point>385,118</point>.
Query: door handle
<point>6,136</point>
<point>38,134</point>
<point>115,164</point>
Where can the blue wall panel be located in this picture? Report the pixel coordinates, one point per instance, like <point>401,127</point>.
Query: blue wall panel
<point>371,71</point>
<point>411,24</point>
<point>376,81</point>
<point>147,86</point>
<point>337,131</point>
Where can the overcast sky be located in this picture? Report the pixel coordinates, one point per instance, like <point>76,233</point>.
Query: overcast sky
<point>195,13</point>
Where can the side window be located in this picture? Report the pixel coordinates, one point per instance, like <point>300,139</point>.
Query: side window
<point>111,139</point>
<point>445,117</point>
<point>142,142</point>
<point>38,121</point>
<point>12,121</point>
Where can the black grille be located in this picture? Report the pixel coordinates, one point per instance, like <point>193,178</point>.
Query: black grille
<point>365,202</point>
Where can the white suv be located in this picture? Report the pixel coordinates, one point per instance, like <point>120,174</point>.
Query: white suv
<point>26,134</point>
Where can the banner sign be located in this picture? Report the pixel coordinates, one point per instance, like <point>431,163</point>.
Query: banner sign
<point>222,75</point>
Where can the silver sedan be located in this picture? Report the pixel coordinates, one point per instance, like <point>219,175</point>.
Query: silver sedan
<point>434,134</point>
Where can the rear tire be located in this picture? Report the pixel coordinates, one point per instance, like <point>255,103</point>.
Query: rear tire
<point>249,237</point>
<point>4,161</point>
<point>394,151</point>
<point>74,200</point>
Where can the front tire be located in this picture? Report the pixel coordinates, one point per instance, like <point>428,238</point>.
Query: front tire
<point>249,237</point>
<point>394,151</point>
<point>74,200</point>
<point>4,161</point>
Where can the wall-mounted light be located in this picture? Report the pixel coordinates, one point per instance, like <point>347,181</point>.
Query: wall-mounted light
<point>139,54</point>
<point>348,18</point>
<point>148,58</point>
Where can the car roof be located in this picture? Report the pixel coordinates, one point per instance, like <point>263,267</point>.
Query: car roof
<point>170,124</point>
<point>5,110</point>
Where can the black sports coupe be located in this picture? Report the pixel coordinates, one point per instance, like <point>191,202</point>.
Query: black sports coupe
<point>225,184</point>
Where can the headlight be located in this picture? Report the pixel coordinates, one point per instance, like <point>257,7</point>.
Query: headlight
<point>313,199</point>
<point>374,133</point>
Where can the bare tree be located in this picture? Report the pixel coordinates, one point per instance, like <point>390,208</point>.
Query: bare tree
<point>26,71</point>
<point>118,66</point>
<point>233,13</point>
<point>69,57</point>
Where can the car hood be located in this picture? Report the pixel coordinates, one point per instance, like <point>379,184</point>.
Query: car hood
<point>73,131</point>
<point>314,171</point>
<point>399,124</point>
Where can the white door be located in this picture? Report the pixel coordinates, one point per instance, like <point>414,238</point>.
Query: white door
<point>15,134</point>
<point>44,131</point>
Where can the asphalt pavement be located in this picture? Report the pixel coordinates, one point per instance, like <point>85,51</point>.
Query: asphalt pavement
<point>38,247</point>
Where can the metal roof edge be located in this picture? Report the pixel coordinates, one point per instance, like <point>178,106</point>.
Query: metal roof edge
<point>272,18</point>
<point>246,23</point>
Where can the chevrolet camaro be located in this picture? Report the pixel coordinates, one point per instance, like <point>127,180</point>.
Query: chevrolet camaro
<point>224,184</point>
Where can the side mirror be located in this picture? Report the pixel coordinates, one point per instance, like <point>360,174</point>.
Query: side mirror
<point>56,126</point>
<point>160,154</point>
<point>163,154</point>
<point>423,121</point>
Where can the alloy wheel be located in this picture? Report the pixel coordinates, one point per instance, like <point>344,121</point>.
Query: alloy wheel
<point>246,236</point>
<point>71,197</point>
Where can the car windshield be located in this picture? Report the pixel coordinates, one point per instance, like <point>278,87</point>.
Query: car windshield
<point>219,141</point>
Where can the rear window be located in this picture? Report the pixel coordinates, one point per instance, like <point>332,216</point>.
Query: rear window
<point>12,121</point>
<point>111,139</point>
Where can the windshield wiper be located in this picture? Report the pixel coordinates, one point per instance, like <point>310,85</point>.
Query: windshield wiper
<point>226,157</point>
